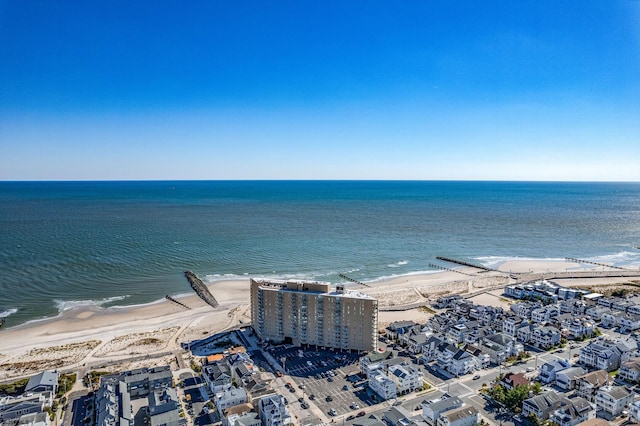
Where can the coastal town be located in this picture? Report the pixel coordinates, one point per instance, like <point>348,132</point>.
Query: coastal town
<point>311,353</point>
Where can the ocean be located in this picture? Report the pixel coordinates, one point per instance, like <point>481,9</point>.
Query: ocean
<point>64,244</point>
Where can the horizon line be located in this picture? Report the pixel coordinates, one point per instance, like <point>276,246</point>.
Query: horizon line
<point>308,180</point>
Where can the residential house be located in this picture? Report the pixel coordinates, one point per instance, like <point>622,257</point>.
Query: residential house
<point>229,397</point>
<point>611,319</point>
<point>273,411</point>
<point>630,370</point>
<point>544,314</point>
<point>236,414</point>
<point>446,352</point>
<point>217,376</point>
<point>622,305</point>
<point>580,327</point>
<point>501,346</point>
<point>594,422</point>
<point>573,411</point>
<point>629,322</point>
<point>511,324</point>
<point>565,293</point>
<point>588,384</point>
<point>516,291</point>
<point>601,354</point>
<point>634,412</point>
<point>524,332</point>
<point>523,310</point>
<point>373,358</point>
<point>566,379</point>
<point>371,420</point>
<point>382,385</point>
<point>250,418</point>
<point>430,349</point>
<point>431,410</point>
<point>482,358</point>
<point>406,377</point>
<point>513,380</point>
<point>43,382</point>
<point>457,333</point>
<point>542,405</point>
<point>13,408</point>
<point>395,329</point>
<point>446,301</point>
<point>416,342</point>
<point>397,416</point>
<point>612,400</point>
<point>462,363</point>
<point>635,309</point>
<point>163,407</point>
<point>545,337</point>
<point>606,301</point>
<point>549,370</point>
<point>463,416</point>
<point>596,312</point>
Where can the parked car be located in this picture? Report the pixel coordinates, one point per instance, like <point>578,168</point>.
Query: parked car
<point>333,412</point>
<point>312,397</point>
<point>345,387</point>
<point>355,406</point>
<point>329,398</point>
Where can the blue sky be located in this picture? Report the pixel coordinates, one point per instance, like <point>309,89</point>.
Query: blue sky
<point>526,90</point>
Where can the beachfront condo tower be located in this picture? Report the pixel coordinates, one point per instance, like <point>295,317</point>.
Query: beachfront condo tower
<point>310,313</point>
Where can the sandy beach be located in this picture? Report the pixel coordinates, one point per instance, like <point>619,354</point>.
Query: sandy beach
<point>90,336</point>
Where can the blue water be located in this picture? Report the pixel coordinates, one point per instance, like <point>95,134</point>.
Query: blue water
<point>119,243</point>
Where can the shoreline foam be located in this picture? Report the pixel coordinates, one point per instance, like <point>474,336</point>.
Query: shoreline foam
<point>92,322</point>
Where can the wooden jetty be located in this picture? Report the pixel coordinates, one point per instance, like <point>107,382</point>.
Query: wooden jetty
<point>352,280</point>
<point>177,302</point>
<point>442,268</point>
<point>572,259</point>
<point>201,289</point>
<point>463,263</point>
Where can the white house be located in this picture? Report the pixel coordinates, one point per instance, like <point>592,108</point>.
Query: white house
<point>382,385</point>
<point>431,410</point>
<point>612,400</point>
<point>229,397</point>
<point>545,337</point>
<point>630,370</point>
<point>273,411</point>
<point>549,370</point>
<point>573,411</point>
<point>566,379</point>
<point>406,377</point>
<point>463,416</point>
<point>602,355</point>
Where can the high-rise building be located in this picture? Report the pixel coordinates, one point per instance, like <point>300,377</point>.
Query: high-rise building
<point>311,313</point>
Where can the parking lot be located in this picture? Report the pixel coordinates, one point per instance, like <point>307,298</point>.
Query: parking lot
<point>321,377</point>
<point>303,363</point>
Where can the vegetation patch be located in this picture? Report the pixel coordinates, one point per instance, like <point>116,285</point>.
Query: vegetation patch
<point>15,388</point>
<point>65,383</point>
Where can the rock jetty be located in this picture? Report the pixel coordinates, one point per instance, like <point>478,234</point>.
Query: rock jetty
<point>201,289</point>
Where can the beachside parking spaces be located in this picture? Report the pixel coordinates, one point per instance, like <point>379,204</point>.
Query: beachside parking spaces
<point>321,376</point>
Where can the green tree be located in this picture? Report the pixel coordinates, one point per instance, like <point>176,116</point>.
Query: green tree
<point>515,396</point>
<point>536,388</point>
